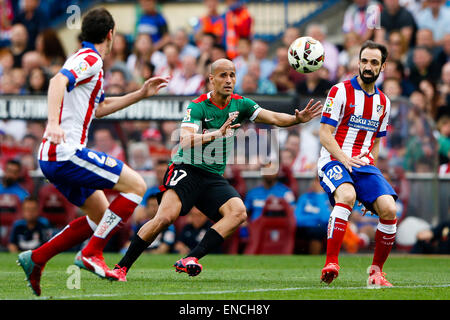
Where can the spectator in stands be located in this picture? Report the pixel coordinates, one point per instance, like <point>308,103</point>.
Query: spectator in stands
<point>444,84</point>
<point>433,99</point>
<point>6,18</point>
<point>312,212</point>
<point>31,231</point>
<point>187,81</point>
<point>423,67</point>
<point>351,48</point>
<point>394,69</point>
<point>242,60</point>
<point>165,241</point>
<point>120,50</point>
<point>212,22</point>
<point>304,161</point>
<point>181,40</point>
<point>143,52</point>
<point>19,78</point>
<point>50,47</point>
<point>154,140</point>
<point>10,181</point>
<point>319,32</point>
<point>37,81</point>
<point>104,142</point>
<point>395,17</point>
<point>34,19</point>
<point>264,85</point>
<point>443,54</point>
<point>19,43</point>
<point>397,46</point>
<point>193,232</point>
<point>249,84</point>
<point>154,24</point>
<point>392,88</point>
<point>6,60</point>
<point>33,59</point>
<point>443,126</point>
<point>139,156</point>
<point>436,17</point>
<point>256,197</point>
<point>289,35</point>
<point>313,86</point>
<point>356,18</point>
<point>238,24</point>
<point>7,85</point>
<point>433,241</point>
<point>117,78</point>
<point>173,62</point>
<point>424,38</point>
<point>259,53</point>
<point>205,45</point>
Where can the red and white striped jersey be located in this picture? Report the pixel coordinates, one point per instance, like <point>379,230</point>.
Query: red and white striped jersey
<point>84,93</point>
<point>359,118</point>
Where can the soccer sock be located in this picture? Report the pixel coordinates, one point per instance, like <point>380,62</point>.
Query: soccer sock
<point>74,233</point>
<point>137,246</point>
<point>384,241</point>
<point>210,241</point>
<point>337,225</point>
<point>117,214</point>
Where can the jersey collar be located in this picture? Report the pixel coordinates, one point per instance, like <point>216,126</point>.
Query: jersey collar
<point>356,85</point>
<point>90,45</point>
<point>208,95</point>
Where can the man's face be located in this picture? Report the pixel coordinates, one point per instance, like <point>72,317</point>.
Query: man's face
<point>370,65</point>
<point>224,78</point>
<point>30,210</point>
<point>11,175</point>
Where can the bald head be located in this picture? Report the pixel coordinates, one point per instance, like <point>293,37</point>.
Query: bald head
<point>221,64</point>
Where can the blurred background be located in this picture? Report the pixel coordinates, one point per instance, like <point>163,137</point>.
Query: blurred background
<point>288,212</point>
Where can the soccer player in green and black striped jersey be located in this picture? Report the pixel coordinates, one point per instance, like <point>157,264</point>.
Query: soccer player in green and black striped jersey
<point>194,176</point>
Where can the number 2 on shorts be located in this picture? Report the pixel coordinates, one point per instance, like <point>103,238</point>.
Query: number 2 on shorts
<point>335,173</point>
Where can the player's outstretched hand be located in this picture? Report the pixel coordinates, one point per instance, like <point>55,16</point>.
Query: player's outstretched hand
<point>55,134</point>
<point>226,128</point>
<point>310,112</point>
<point>153,85</point>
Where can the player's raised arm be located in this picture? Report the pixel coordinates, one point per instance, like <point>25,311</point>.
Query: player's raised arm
<point>148,89</point>
<point>57,86</point>
<point>280,119</point>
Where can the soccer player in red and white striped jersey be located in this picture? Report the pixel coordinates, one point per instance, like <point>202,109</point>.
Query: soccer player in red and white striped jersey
<point>75,97</point>
<point>354,119</point>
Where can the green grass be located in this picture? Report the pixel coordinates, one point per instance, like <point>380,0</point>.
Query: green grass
<point>227,277</point>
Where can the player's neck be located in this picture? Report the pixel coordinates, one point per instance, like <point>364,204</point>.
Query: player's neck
<point>219,99</point>
<point>367,87</point>
<point>102,49</point>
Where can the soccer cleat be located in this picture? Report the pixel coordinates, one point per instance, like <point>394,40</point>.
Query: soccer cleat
<point>121,273</point>
<point>32,270</point>
<point>189,265</point>
<point>330,272</point>
<point>96,265</point>
<point>377,279</point>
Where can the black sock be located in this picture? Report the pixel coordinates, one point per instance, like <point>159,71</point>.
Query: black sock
<point>210,241</point>
<point>136,248</point>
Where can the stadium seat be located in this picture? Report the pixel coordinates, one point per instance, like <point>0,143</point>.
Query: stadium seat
<point>55,207</point>
<point>274,231</point>
<point>9,212</point>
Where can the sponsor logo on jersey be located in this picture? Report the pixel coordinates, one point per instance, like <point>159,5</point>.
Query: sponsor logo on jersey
<point>188,115</point>
<point>111,162</point>
<point>360,123</point>
<point>82,67</point>
<point>329,105</point>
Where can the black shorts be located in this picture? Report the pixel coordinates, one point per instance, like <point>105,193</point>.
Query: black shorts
<point>196,187</point>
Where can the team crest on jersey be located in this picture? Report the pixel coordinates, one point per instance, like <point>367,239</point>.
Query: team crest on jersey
<point>111,162</point>
<point>380,109</point>
<point>230,114</point>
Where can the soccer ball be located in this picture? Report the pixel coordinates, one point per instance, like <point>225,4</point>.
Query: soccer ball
<point>306,54</point>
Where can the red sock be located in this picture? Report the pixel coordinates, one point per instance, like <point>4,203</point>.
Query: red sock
<point>115,216</point>
<point>74,233</point>
<point>384,241</point>
<point>337,225</point>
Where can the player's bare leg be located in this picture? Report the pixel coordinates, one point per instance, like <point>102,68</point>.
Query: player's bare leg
<point>131,187</point>
<point>384,239</point>
<point>345,197</point>
<point>33,262</point>
<point>168,211</point>
<point>234,214</point>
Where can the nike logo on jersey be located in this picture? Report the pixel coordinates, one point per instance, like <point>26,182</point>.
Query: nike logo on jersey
<point>352,105</point>
<point>208,120</point>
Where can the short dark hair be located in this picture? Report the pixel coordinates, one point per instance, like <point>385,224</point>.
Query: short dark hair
<point>369,44</point>
<point>15,163</point>
<point>96,25</point>
<point>31,199</point>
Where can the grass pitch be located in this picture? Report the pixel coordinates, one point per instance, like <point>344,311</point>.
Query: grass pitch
<point>239,277</point>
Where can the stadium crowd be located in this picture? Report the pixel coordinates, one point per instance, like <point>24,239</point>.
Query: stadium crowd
<point>416,79</point>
